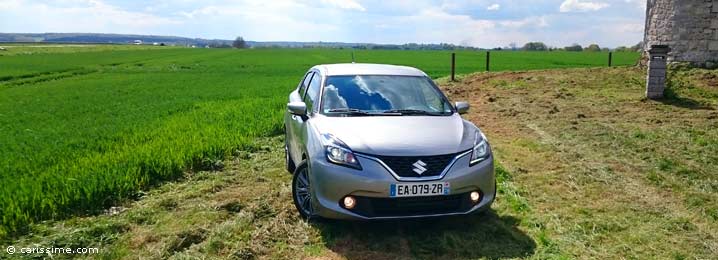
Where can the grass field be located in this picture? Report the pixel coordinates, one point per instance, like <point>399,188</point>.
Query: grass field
<point>86,127</point>
<point>605,172</point>
<point>589,169</point>
<point>176,153</point>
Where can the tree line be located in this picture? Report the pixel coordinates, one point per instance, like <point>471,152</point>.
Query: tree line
<point>240,43</point>
<point>540,46</point>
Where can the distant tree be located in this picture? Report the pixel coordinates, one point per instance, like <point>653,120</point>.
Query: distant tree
<point>512,46</point>
<point>574,47</point>
<point>637,47</point>
<point>622,49</point>
<point>218,44</point>
<point>239,43</point>
<point>593,47</point>
<point>605,49</point>
<point>535,46</point>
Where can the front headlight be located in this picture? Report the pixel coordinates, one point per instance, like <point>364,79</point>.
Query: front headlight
<point>481,149</point>
<point>338,152</point>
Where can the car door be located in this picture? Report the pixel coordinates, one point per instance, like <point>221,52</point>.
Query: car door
<point>311,99</point>
<point>293,122</point>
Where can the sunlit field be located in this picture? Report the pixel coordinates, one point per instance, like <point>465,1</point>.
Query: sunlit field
<point>176,153</point>
<point>85,127</point>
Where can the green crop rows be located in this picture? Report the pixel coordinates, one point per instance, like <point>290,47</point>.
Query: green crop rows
<point>81,130</point>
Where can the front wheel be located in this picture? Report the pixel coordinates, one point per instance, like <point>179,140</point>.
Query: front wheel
<point>301,191</point>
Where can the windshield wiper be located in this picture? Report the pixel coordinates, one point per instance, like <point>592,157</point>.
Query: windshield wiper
<point>348,111</point>
<point>413,112</point>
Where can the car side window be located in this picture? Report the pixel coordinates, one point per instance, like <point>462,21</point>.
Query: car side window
<point>312,92</point>
<point>304,83</point>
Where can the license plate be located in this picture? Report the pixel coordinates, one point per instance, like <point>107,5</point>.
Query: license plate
<point>419,189</point>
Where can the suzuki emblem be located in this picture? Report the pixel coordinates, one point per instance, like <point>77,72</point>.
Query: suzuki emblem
<point>419,167</point>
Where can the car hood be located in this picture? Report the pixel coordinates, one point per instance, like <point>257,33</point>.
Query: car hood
<point>400,135</point>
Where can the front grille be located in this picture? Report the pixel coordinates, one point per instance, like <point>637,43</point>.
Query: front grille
<point>404,165</point>
<point>412,206</point>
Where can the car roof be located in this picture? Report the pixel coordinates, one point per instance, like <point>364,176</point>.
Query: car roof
<point>367,69</point>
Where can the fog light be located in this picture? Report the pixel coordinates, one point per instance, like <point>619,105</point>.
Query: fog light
<point>349,202</point>
<point>475,196</point>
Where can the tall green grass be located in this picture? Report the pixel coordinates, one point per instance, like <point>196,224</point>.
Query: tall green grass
<point>81,131</point>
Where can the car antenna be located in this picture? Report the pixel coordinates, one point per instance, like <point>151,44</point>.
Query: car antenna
<point>353,57</point>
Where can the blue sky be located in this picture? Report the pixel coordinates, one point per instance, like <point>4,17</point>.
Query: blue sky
<point>478,23</point>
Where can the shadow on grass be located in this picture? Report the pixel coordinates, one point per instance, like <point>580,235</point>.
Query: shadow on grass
<point>486,235</point>
<point>671,97</point>
<point>672,94</point>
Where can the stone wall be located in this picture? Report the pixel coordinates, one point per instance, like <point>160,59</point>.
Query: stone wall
<point>688,27</point>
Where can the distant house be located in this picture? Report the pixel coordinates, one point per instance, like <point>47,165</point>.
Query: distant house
<point>156,43</point>
<point>137,42</point>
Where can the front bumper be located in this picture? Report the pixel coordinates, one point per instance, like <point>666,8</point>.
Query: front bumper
<point>331,183</point>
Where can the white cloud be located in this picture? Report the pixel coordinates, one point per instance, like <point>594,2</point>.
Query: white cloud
<point>113,15</point>
<point>433,25</point>
<point>78,16</point>
<point>493,7</point>
<point>537,22</point>
<point>580,6</point>
<point>345,4</point>
<point>9,4</point>
<point>379,21</point>
<point>630,28</point>
<point>286,20</point>
<point>640,4</point>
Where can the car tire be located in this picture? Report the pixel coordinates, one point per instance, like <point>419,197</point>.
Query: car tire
<point>301,191</point>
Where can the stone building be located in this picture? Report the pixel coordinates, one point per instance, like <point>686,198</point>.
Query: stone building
<point>688,27</point>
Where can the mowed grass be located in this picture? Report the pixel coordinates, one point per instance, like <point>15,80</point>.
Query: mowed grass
<point>606,172</point>
<point>245,212</point>
<point>83,130</point>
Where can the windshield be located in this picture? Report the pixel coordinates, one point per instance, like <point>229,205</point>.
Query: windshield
<point>372,94</point>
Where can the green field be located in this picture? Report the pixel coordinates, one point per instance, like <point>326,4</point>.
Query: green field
<point>161,153</point>
<point>84,128</point>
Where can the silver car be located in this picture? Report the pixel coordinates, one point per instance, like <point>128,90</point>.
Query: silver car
<point>373,141</point>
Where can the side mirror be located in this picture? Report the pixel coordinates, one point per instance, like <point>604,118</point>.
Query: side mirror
<point>462,107</point>
<point>297,108</point>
